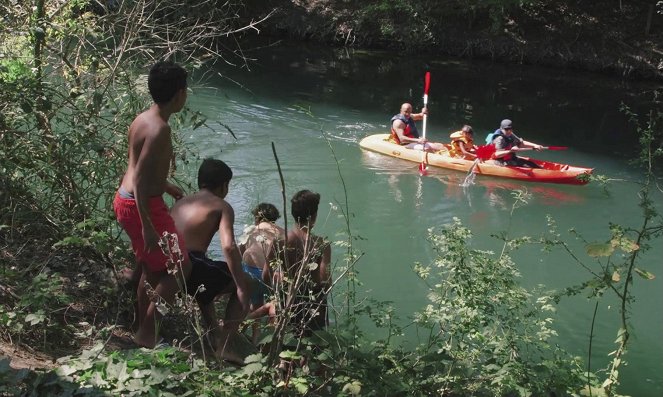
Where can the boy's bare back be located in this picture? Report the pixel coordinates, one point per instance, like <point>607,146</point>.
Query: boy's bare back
<point>302,250</point>
<point>259,243</point>
<point>198,217</point>
<point>150,153</point>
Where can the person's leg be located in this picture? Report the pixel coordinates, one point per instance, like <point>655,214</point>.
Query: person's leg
<point>165,286</point>
<point>211,323</point>
<point>262,311</point>
<point>142,301</point>
<point>530,164</point>
<point>230,344</point>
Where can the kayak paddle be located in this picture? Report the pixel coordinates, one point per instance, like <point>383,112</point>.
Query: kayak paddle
<point>518,149</point>
<point>484,152</point>
<point>422,166</point>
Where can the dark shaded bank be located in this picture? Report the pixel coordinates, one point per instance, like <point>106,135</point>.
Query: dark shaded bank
<point>622,38</point>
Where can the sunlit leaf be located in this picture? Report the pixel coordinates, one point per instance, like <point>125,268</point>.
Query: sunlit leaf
<point>34,318</point>
<point>252,368</point>
<point>288,354</point>
<point>300,384</point>
<point>253,358</point>
<point>616,277</point>
<point>644,274</point>
<point>353,388</point>
<point>593,391</point>
<point>625,244</point>
<point>599,249</point>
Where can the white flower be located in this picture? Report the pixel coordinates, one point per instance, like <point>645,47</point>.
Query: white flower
<point>162,308</point>
<point>312,266</point>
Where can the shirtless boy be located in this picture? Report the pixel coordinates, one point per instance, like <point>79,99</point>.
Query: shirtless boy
<point>254,251</point>
<point>139,205</point>
<point>198,217</point>
<point>254,259</point>
<point>309,310</point>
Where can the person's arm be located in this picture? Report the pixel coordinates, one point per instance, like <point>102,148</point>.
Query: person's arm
<point>500,151</point>
<point>528,144</point>
<point>174,191</point>
<point>274,253</point>
<point>466,153</point>
<point>270,255</point>
<point>399,127</point>
<point>233,258</point>
<point>324,268</point>
<point>419,116</point>
<point>152,149</point>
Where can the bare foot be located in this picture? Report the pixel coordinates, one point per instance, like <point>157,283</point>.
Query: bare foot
<point>144,341</point>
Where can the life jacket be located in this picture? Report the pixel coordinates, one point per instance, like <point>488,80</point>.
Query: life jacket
<point>456,138</point>
<point>410,128</point>
<point>509,140</point>
<point>493,135</point>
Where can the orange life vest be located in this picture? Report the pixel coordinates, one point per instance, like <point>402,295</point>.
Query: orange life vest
<point>456,138</point>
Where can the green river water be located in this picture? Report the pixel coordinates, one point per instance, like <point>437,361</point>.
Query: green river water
<point>292,96</point>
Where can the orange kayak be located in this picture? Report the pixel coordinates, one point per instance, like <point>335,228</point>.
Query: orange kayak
<point>549,172</point>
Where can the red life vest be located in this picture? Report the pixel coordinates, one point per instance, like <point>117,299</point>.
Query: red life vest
<point>410,128</point>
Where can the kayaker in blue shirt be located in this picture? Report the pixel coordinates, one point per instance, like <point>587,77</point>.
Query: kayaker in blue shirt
<point>506,143</point>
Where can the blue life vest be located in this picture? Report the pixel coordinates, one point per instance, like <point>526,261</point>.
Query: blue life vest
<point>493,135</point>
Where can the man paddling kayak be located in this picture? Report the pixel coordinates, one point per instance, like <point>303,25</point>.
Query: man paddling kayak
<point>506,143</point>
<point>404,130</point>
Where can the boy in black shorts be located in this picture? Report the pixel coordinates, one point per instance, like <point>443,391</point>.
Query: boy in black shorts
<point>197,218</point>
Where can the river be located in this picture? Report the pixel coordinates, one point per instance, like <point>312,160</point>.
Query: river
<point>310,100</point>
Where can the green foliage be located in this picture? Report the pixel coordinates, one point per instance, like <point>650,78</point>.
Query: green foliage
<point>615,261</point>
<point>416,25</point>
<point>63,115</point>
<point>494,336</point>
<point>32,314</point>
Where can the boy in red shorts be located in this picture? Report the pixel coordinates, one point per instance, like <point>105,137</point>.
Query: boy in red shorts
<point>138,204</point>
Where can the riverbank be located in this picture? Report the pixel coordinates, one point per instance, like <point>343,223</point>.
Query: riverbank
<point>612,38</point>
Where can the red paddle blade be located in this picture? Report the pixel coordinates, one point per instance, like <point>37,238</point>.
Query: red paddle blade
<point>557,147</point>
<point>426,83</point>
<point>485,152</point>
<point>422,169</point>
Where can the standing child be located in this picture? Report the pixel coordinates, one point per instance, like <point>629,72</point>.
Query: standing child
<point>139,205</point>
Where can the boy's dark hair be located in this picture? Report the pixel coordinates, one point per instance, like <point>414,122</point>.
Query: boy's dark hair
<point>304,205</point>
<point>213,173</point>
<point>266,212</point>
<point>165,80</point>
<point>467,128</point>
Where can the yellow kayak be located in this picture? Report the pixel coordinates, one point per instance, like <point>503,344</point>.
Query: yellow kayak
<point>549,172</point>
